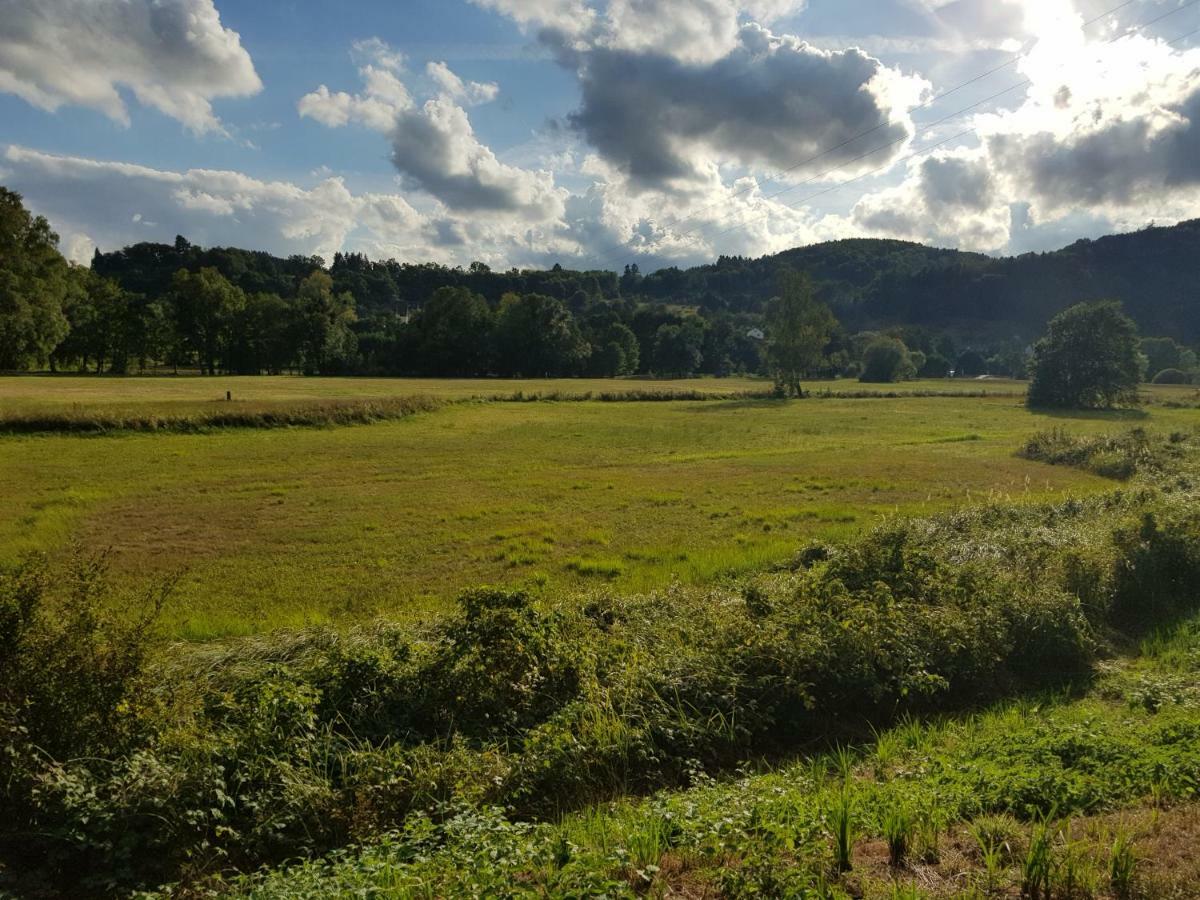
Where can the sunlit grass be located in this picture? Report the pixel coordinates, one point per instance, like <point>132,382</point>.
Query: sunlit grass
<point>286,528</point>
<point>168,394</point>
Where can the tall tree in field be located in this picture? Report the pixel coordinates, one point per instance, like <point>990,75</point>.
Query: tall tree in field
<point>615,351</point>
<point>326,342</point>
<point>34,281</point>
<point>262,335</point>
<point>798,330</point>
<point>1088,359</point>
<point>205,305</point>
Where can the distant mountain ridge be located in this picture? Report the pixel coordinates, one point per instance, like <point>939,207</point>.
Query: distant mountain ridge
<point>869,283</point>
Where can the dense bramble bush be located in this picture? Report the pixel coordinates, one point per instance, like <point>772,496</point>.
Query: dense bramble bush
<point>137,770</point>
<point>1119,456</point>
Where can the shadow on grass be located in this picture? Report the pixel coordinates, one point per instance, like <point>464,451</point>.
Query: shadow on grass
<point>1092,415</point>
<point>745,403</point>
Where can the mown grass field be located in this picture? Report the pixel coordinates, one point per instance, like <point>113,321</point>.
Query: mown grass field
<point>49,392</point>
<point>56,393</point>
<point>282,528</point>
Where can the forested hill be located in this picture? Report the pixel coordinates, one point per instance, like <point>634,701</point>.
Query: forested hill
<point>872,283</point>
<point>869,283</point>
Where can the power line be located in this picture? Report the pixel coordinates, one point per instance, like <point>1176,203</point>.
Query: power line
<point>892,163</point>
<point>821,176</point>
<point>620,248</point>
<point>926,105</point>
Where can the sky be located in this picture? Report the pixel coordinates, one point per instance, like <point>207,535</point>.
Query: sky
<point>598,133</point>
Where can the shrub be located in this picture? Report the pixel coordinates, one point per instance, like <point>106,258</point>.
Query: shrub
<point>1172,376</point>
<point>501,667</point>
<point>1118,456</point>
<point>1159,567</point>
<point>73,684</point>
<point>886,360</point>
<point>71,669</point>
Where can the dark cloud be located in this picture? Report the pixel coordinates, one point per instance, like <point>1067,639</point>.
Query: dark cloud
<point>950,200</point>
<point>957,183</point>
<point>1122,162</point>
<point>436,150</point>
<point>771,100</point>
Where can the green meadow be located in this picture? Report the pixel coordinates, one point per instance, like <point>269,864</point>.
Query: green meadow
<point>508,639</point>
<point>270,528</point>
<point>56,392</point>
<point>189,394</point>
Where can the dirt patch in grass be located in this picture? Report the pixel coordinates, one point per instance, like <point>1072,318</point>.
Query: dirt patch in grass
<point>1165,842</point>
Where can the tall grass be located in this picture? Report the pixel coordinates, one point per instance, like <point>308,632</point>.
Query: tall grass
<point>1119,456</point>
<point>841,825</point>
<point>1122,864</point>
<point>897,826</point>
<point>99,420</point>
<point>1037,868</point>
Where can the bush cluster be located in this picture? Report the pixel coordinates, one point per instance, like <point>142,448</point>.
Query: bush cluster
<point>1119,456</point>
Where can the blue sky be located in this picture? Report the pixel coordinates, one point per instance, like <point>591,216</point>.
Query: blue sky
<point>597,132</point>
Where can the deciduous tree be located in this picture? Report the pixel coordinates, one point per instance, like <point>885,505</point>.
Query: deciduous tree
<point>454,333</point>
<point>326,342</point>
<point>537,336</point>
<point>205,304</point>
<point>34,281</point>
<point>1087,360</point>
<point>885,360</point>
<point>798,330</point>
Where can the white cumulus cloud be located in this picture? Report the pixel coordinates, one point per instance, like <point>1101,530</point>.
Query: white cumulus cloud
<point>173,55</point>
<point>471,92</point>
<point>433,145</point>
<point>383,96</point>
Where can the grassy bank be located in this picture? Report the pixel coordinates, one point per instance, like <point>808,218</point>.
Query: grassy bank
<point>1090,794</point>
<point>165,393</point>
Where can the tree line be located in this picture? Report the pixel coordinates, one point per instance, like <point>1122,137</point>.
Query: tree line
<point>228,310</point>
